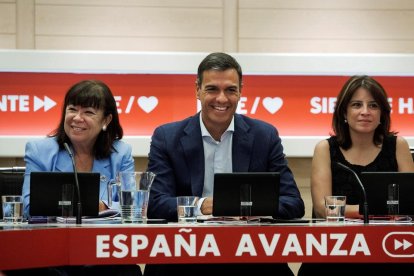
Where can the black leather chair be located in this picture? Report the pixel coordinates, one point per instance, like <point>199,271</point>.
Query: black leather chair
<point>11,182</point>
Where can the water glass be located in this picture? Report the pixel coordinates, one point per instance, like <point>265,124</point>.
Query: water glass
<point>187,209</point>
<point>246,202</point>
<point>393,200</point>
<point>133,190</point>
<point>67,200</point>
<point>12,208</point>
<point>335,208</point>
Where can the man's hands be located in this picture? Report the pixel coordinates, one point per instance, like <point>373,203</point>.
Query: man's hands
<point>207,206</point>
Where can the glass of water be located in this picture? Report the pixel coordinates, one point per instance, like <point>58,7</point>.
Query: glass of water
<point>187,209</point>
<point>335,208</point>
<point>12,208</point>
<point>134,189</point>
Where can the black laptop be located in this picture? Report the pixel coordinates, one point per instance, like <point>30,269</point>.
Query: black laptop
<point>46,193</point>
<point>376,185</point>
<point>256,191</point>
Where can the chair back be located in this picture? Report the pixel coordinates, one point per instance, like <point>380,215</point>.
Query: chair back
<point>412,152</point>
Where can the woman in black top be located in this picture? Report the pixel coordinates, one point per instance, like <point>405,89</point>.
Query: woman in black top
<point>363,141</point>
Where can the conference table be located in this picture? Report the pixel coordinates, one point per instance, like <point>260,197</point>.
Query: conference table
<point>56,244</point>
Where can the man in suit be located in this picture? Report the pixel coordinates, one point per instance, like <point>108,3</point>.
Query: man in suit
<point>186,154</point>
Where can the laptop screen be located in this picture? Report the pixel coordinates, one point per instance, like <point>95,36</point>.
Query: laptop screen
<point>46,193</point>
<point>246,194</point>
<point>377,186</point>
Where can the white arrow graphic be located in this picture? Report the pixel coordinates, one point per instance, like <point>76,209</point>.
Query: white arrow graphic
<point>47,103</point>
<point>405,244</point>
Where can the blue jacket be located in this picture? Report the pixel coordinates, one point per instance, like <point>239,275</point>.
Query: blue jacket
<point>45,155</point>
<point>177,158</point>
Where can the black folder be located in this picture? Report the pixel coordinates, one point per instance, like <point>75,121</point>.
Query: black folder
<point>46,193</point>
<point>376,187</point>
<point>260,189</point>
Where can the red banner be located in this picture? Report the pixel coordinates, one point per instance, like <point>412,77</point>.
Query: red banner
<point>172,243</point>
<point>30,103</point>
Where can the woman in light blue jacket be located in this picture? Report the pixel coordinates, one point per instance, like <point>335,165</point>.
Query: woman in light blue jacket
<point>90,126</point>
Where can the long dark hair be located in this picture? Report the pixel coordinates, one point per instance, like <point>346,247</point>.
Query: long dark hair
<point>96,94</point>
<point>341,128</point>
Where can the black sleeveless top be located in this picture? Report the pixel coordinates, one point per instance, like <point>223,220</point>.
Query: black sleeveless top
<point>344,182</point>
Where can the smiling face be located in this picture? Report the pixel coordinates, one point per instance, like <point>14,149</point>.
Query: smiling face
<point>83,125</point>
<point>363,112</point>
<point>219,94</point>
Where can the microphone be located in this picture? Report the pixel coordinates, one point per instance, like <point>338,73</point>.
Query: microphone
<point>78,203</point>
<point>365,206</point>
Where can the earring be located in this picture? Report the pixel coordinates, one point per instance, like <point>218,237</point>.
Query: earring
<point>345,121</point>
<point>104,128</point>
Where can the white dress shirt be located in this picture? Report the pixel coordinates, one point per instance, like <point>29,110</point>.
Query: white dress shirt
<point>217,157</point>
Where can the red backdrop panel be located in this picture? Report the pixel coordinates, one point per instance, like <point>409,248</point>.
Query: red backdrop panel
<point>30,103</point>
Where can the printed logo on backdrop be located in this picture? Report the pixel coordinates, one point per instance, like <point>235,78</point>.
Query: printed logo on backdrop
<point>23,103</point>
<point>295,105</point>
<point>326,105</point>
<point>147,104</point>
<point>271,104</point>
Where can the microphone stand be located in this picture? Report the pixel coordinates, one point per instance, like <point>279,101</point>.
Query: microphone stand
<point>78,203</point>
<point>365,204</point>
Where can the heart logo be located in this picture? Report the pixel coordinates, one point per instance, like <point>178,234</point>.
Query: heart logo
<point>272,104</point>
<point>147,103</point>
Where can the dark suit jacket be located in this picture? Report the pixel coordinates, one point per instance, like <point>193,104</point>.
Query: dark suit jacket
<point>177,157</point>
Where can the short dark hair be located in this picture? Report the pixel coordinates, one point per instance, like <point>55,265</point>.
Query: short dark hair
<point>341,128</point>
<point>218,61</point>
<point>96,94</point>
